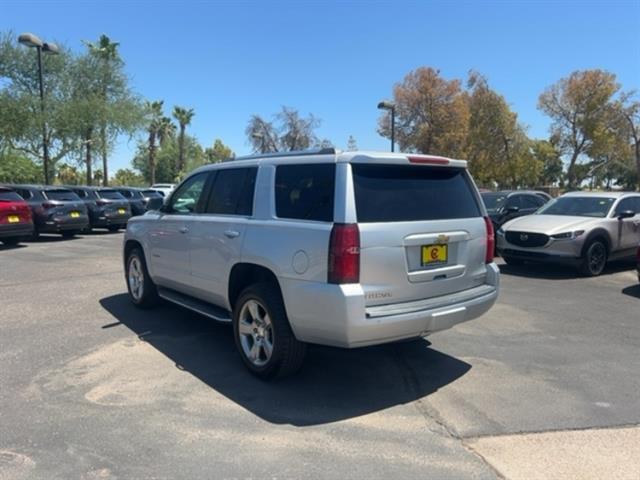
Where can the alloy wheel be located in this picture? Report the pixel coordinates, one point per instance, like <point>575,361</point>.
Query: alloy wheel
<point>256,333</point>
<point>136,278</point>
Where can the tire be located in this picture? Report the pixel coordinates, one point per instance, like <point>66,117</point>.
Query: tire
<point>69,234</point>
<point>594,259</point>
<point>11,241</point>
<point>113,228</point>
<point>514,262</point>
<point>271,327</point>
<point>142,291</point>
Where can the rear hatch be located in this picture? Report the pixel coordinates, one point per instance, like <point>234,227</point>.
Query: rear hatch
<point>13,209</point>
<point>422,233</point>
<point>114,203</point>
<point>63,204</point>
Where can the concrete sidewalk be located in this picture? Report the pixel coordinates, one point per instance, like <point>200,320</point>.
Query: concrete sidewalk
<point>611,453</point>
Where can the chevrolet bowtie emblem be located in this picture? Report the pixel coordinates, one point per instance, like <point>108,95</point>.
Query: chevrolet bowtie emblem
<point>443,238</point>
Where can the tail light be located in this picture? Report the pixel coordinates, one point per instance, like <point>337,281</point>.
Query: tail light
<point>344,254</point>
<point>491,240</point>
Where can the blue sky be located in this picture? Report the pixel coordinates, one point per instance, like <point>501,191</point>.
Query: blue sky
<point>228,60</point>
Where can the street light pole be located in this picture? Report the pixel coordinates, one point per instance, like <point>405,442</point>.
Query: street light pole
<point>384,105</point>
<point>31,40</point>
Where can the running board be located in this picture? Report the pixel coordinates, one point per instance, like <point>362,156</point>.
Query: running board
<point>198,306</point>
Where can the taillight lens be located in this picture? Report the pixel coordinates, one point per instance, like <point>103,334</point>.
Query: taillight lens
<point>491,240</point>
<point>344,254</point>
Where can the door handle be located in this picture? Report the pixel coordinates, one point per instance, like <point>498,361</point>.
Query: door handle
<point>184,229</point>
<point>231,233</point>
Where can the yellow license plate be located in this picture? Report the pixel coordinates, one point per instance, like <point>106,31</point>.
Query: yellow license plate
<point>122,211</point>
<point>74,214</point>
<point>13,219</point>
<point>435,254</point>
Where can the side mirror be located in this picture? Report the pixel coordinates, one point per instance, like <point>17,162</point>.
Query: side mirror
<point>512,209</point>
<point>165,208</point>
<point>626,214</point>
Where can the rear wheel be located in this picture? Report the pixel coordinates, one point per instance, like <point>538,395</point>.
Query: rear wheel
<point>142,290</point>
<point>69,233</point>
<point>263,335</point>
<point>594,259</point>
<point>11,241</point>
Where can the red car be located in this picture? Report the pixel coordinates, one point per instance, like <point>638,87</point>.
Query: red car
<point>15,217</point>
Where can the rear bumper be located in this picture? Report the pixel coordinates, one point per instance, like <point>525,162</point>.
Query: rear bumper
<point>63,225</point>
<point>16,230</point>
<point>106,220</point>
<point>336,314</point>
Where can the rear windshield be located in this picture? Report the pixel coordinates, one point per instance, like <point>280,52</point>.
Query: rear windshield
<point>597,207</point>
<point>62,195</point>
<point>110,195</point>
<point>399,193</point>
<point>493,201</point>
<point>9,196</point>
<point>152,193</point>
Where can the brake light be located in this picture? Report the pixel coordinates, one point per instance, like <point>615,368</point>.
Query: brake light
<point>344,254</point>
<point>428,160</point>
<point>491,240</point>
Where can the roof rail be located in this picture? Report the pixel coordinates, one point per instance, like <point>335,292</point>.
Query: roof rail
<point>294,153</point>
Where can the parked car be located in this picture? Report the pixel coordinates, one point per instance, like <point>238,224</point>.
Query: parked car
<point>164,188</point>
<point>153,199</point>
<point>345,249</point>
<point>107,207</point>
<point>581,229</point>
<point>16,221</point>
<point>509,204</point>
<point>638,262</point>
<point>135,198</point>
<point>54,209</point>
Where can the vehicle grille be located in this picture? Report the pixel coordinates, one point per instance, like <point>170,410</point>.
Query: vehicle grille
<point>527,239</point>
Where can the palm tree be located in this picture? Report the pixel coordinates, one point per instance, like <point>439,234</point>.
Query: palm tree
<point>107,52</point>
<point>183,116</point>
<point>154,112</point>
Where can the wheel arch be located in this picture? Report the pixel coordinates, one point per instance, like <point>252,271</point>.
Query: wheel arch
<point>598,233</point>
<point>244,274</point>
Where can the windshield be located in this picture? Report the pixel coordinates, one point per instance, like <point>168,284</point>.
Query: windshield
<point>578,206</point>
<point>493,201</point>
<point>62,195</point>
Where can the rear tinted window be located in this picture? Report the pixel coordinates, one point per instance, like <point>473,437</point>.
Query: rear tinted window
<point>61,195</point>
<point>305,192</point>
<point>110,195</point>
<point>232,192</point>
<point>398,193</point>
<point>152,194</point>
<point>9,196</point>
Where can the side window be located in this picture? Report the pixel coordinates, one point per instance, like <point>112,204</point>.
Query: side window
<point>26,194</point>
<point>514,201</point>
<point>185,199</point>
<point>531,201</point>
<point>232,192</point>
<point>305,192</point>
<point>81,193</point>
<point>627,204</point>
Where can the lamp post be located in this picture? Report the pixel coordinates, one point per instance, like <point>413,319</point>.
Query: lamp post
<point>32,41</point>
<point>384,105</point>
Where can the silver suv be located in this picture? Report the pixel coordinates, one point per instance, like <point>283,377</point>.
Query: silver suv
<point>343,249</point>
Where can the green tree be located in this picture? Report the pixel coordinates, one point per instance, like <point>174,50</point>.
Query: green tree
<point>432,114</point>
<point>289,132</point>
<point>183,116</point>
<point>546,153</point>
<point>578,106</point>
<point>15,167</point>
<point>126,177</point>
<point>68,175</point>
<point>160,129</point>
<point>219,152</point>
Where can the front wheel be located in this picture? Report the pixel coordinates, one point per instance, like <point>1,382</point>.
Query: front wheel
<point>263,335</point>
<point>69,234</point>
<point>11,241</point>
<point>114,228</point>
<point>594,259</point>
<point>142,290</point>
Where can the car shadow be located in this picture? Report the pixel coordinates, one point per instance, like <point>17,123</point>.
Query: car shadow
<point>17,246</point>
<point>632,291</point>
<point>333,385</point>
<point>51,238</point>
<point>549,271</point>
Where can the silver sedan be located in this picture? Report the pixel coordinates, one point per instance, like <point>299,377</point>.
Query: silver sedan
<point>581,229</point>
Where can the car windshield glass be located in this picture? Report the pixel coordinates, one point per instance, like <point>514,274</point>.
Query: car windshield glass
<point>110,195</point>
<point>578,206</point>
<point>151,194</point>
<point>399,193</point>
<point>9,196</point>
<point>63,195</point>
<point>493,201</point>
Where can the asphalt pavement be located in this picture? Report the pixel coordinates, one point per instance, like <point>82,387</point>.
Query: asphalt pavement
<point>91,387</point>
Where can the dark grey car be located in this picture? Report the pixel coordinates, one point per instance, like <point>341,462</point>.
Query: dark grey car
<point>54,209</point>
<point>153,199</point>
<point>107,207</point>
<point>135,198</point>
<point>506,205</point>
